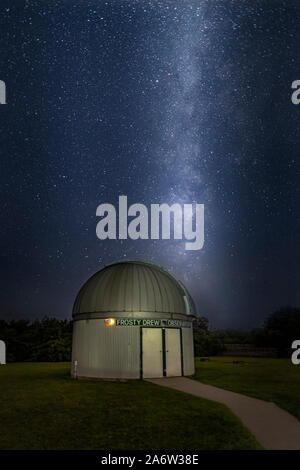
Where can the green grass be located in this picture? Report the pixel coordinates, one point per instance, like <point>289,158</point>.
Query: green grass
<point>43,408</point>
<point>276,380</point>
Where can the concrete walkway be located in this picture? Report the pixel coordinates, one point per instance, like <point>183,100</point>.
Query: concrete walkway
<point>272,427</point>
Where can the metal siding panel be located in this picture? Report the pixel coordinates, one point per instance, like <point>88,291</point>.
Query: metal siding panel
<point>155,289</point>
<point>118,289</point>
<point>151,307</point>
<point>106,352</point>
<point>171,294</point>
<point>120,352</point>
<point>74,344</point>
<point>178,302</point>
<point>79,351</point>
<point>89,296</point>
<point>92,293</point>
<point>144,292</point>
<point>135,288</point>
<point>97,301</point>
<point>160,307</point>
<point>120,301</point>
<point>167,299</point>
<point>109,293</point>
<point>188,351</point>
<point>129,289</point>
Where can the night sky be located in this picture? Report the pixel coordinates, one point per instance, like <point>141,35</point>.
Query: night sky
<point>162,101</point>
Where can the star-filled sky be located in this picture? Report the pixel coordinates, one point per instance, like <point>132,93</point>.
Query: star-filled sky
<point>162,101</point>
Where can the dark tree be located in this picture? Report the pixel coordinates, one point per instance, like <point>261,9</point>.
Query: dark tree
<point>206,342</point>
<point>280,330</point>
<point>44,340</point>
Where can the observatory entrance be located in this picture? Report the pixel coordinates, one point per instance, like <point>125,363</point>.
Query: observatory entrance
<point>161,352</point>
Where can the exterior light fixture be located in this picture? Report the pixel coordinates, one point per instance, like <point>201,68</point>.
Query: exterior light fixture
<point>110,321</point>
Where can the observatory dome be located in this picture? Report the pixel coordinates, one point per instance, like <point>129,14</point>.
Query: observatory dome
<point>133,286</point>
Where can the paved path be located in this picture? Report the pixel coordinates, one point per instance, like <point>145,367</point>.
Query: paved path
<point>272,427</point>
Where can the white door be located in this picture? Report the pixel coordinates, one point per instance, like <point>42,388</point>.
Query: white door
<point>173,352</point>
<point>152,352</point>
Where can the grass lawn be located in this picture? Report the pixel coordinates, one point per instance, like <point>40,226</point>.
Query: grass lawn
<point>276,380</point>
<point>43,408</point>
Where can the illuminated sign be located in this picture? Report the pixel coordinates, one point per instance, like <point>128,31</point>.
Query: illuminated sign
<point>153,323</point>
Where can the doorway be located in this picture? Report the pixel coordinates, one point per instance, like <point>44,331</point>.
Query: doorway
<point>161,352</point>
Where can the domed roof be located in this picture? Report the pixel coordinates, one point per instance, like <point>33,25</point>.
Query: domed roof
<point>133,286</point>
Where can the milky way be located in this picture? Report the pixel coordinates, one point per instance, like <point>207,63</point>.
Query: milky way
<point>162,101</point>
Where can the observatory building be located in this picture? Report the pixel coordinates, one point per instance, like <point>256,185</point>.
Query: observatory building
<point>133,320</point>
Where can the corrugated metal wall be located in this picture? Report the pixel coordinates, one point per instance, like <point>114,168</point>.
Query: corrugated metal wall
<point>114,352</point>
<point>106,352</point>
<point>188,351</point>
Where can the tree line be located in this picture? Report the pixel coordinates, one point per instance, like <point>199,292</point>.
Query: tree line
<point>50,339</point>
<point>279,330</point>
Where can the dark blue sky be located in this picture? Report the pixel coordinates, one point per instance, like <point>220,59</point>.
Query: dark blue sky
<point>163,101</point>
